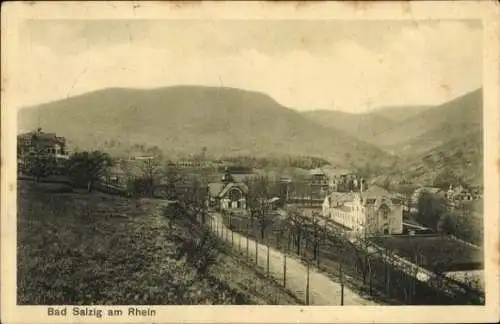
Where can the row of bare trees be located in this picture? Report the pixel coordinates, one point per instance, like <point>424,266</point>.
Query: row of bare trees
<point>320,244</point>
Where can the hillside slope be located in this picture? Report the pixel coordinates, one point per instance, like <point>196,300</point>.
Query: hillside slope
<point>434,126</point>
<point>361,126</point>
<point>460,158</point>
<point>399,113</point>
<point>184,119</point>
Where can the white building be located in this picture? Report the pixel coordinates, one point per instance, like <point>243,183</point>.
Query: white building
<point>372,212</point>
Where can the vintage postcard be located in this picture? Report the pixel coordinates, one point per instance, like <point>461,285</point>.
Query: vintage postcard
<point>188,162</point>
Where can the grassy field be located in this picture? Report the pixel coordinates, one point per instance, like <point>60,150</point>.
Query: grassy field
<point>76,248</point>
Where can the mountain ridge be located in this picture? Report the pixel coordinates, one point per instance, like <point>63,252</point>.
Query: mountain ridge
<point>362,126</point>
<point>185,118</point>
<point>437,124</point>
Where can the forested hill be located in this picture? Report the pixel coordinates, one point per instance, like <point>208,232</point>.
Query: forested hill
<point>184,119</point>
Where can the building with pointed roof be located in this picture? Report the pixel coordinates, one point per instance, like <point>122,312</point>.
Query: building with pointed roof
<point>372,212</point>
<point>228,194</point>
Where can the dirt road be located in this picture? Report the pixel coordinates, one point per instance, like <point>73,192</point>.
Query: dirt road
<point>323,290</point>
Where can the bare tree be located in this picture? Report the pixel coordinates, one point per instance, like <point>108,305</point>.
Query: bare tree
<point>295,222</point>
<point>151,170</point>
<point>195,198</point>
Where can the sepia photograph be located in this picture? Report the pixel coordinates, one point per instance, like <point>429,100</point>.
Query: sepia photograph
<point>274,161</point>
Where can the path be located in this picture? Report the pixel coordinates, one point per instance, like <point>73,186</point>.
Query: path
<point>323,291</point>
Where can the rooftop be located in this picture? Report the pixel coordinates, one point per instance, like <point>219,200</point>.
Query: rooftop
<point>341,197</point>
<point>215,188</point>
<point>316,171</point>
<point>335,172</point>
<point>432,190</point>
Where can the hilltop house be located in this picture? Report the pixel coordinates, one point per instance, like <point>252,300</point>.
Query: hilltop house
<point>39,145</point>
<point>46,144</point>
<point>228,194</point>
<point>371,212</point>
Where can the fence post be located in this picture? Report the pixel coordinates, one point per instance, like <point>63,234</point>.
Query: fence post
<point>307,285</point>
<point>388,283</point>
<point>248,233</point>
<point>317,254</point>
<point>386,277</point>
<point>257,251</point>
<point>341,286</point>
<point>370,278</point>
<point>284,271</point>
<point>268,259</point>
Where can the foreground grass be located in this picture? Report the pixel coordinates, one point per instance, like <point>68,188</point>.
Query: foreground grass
<point>101,249</point>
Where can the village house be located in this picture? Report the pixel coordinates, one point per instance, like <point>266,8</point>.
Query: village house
<point>342,180</point>
<point>228,194</point>
<point>318,183</point>
<point>327,180</point>
<point>458,193</point>
<point>371,212</point>
<point>190,164</point>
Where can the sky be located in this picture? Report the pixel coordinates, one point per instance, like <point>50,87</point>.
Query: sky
<point>352,66</point>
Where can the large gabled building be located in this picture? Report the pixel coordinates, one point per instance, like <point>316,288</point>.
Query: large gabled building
<point>371,212</point>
